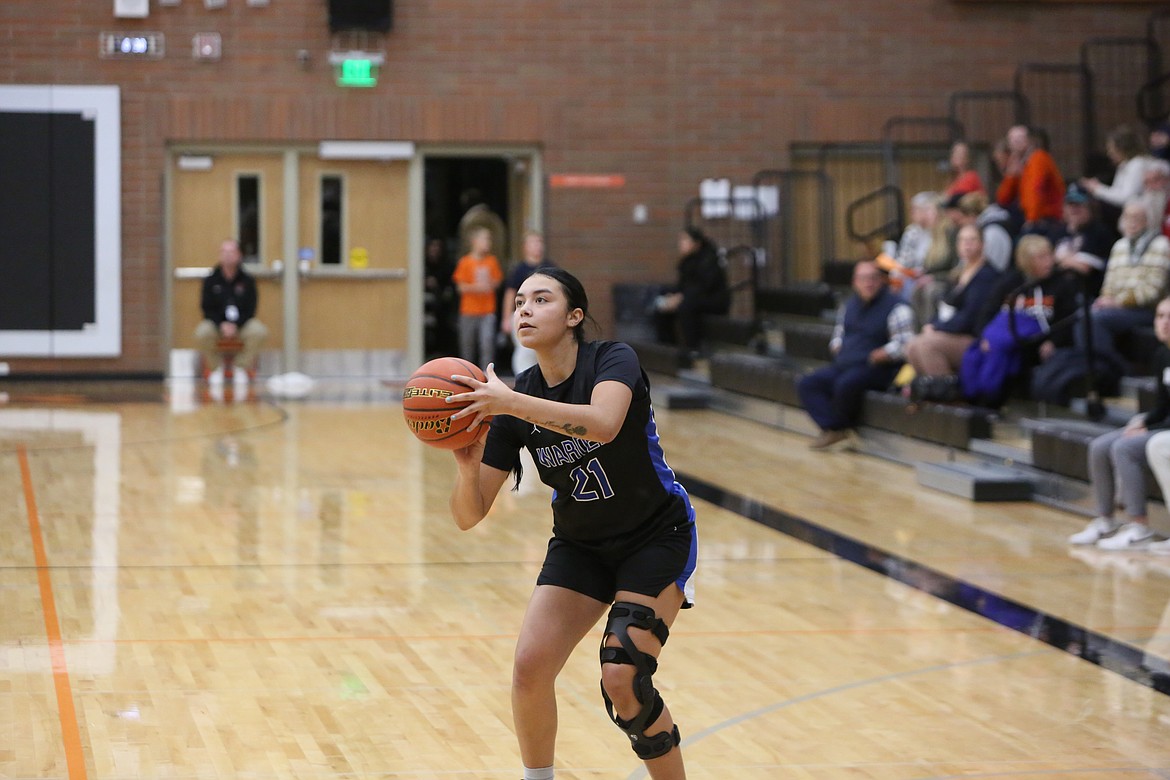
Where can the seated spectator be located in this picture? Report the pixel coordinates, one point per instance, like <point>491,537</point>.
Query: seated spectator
<point>965,179</point>
<point>905,260</point>
<point>938,350</point>
<point>228,301</point>
<point>1158,456</point>
<point>939,262</point>
<point>1083,242</point>
<point>1032,182</point>
<point>1126,151</point>
<point>1135,278</point>
<point>1039,306</point>
<point>1001,157</point>
<point>702,289</point>
<point>868,345</point>
<point>993,221</point>
<point>1119,457</point>
<point>1156,193</point>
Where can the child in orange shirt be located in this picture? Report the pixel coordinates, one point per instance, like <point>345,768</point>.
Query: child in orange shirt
<point>478,276</point>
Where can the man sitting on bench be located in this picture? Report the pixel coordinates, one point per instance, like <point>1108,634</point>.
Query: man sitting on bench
<point>229,321</point>
<point>868,346</point>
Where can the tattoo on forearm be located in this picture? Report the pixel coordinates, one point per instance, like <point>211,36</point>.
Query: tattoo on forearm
<point>572,430</point>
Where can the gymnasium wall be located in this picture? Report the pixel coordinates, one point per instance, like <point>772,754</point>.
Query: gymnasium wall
<point>662,92</point>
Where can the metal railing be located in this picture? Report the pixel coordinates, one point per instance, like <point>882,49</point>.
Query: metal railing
<point>877,215</point>
<point>803,222</point>
<point>1060,100</point>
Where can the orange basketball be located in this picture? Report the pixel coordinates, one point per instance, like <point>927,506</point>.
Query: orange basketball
<point>425,407</point>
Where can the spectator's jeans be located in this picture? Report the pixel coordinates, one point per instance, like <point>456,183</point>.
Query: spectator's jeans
<point>252,334</point>
<point>1158,456</point>
<point>1115,458</point>
<point>833,395</point>
<point>1108,324</point>
<point>477,329</point>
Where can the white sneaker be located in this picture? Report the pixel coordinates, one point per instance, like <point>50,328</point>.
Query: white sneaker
<point>1097,529</point>
<point>240,377</point>
<point>1130,536</point>
<point>215,378</point>
<point>1159,548</point>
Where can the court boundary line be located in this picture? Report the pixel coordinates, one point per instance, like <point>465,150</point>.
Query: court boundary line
<point>66,709</point>
<point>1098,649</point>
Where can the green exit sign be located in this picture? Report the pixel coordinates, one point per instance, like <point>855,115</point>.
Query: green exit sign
<point>357,73</point>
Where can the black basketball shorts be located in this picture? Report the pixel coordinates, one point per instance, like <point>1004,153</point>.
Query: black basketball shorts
<point>601,573</point>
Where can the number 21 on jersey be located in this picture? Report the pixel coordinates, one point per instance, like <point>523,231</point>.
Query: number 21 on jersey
<point>590,482</point>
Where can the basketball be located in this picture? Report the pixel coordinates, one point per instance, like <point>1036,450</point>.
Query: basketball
<point>425,407</point>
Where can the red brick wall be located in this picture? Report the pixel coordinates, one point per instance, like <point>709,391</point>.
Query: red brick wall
<point>663,92</point>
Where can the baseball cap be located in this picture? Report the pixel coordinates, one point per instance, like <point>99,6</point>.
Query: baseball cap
<point>1076,194</point>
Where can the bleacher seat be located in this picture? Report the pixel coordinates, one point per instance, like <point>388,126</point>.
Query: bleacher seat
<point>658,358</point>
<point>809,299</point>
<point>773,380</point>
<point>735,331</point>
<point>808,340</point>
<point>945,424</point>
<point>757,376</point>
<point>1062,447</point>
<point>838,273</point>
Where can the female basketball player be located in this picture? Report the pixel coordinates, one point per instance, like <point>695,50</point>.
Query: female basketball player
<point>623,528</point>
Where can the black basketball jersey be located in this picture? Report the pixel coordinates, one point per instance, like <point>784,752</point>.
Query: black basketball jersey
<point>600,491</point>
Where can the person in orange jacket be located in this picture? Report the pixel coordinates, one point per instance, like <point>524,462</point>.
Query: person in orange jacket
<point>1032,181</point>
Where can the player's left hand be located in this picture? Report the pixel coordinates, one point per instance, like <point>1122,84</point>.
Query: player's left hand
<point>486,398</point>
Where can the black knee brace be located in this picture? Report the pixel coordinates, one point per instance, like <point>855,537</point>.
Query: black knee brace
<point>622,616</point>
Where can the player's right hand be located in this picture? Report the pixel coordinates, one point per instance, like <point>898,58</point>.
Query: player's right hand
<point>472,454</point>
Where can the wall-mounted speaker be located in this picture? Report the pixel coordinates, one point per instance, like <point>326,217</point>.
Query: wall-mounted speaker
<point>372,15</point>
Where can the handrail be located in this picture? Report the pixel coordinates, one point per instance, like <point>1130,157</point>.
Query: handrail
<point>752,282</point>
<point>953,128</point>
<point>891,194</point>
<point>1086,77</point>
<point>1152,49</point>
<point>1150,107</point>
<point>825,209</point>
<point>1020,102</point>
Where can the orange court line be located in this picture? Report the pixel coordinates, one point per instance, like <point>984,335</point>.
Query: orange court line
<point>70,732</point>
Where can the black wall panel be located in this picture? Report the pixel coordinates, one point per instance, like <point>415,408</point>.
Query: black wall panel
<point>47,252</point>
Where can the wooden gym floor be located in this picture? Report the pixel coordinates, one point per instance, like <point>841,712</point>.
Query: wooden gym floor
<point>249,590</point>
